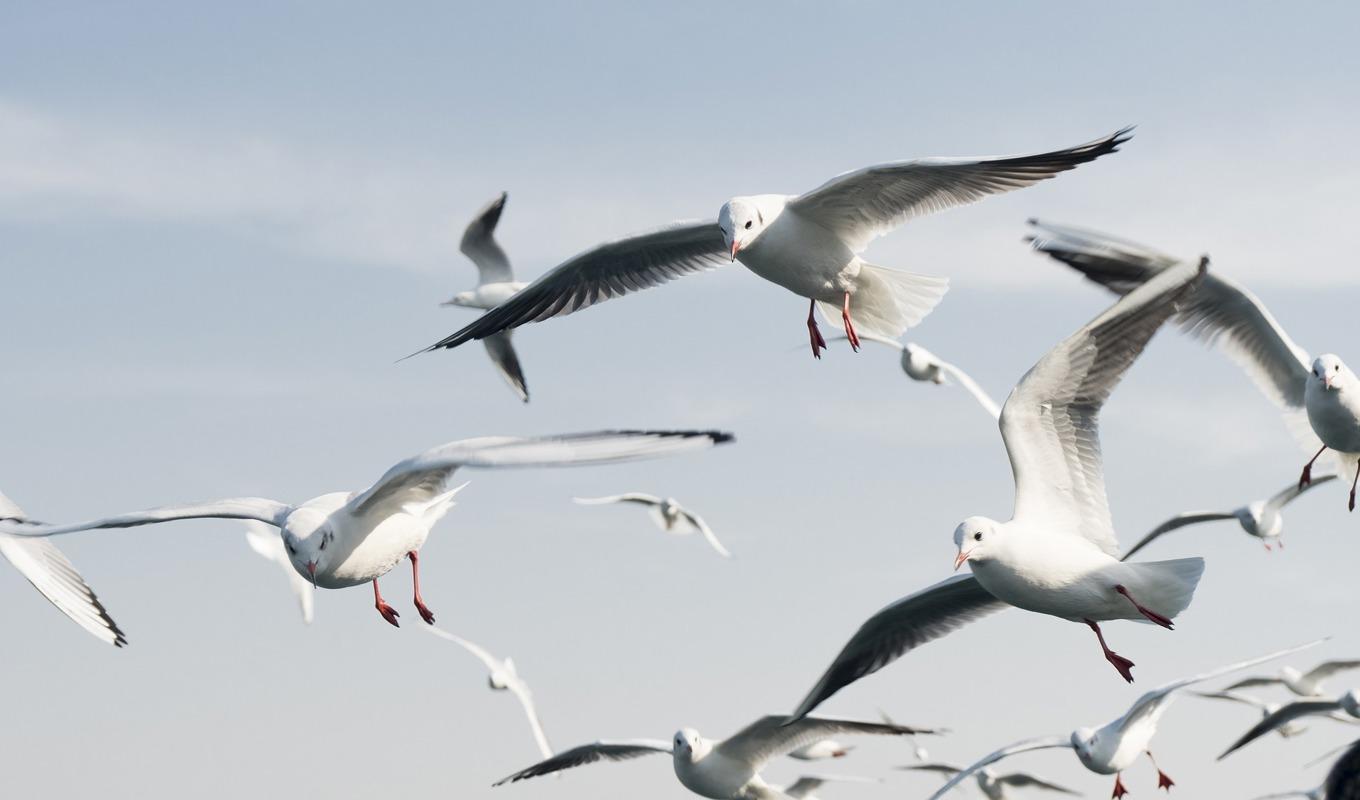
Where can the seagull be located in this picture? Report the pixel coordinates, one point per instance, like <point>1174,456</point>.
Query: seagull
<point>1304,684</point>
<point>52,574</point>
<point>1320,397</point>
<point>809,244</point>
<point>266,541</point>
<point>345,539</point>
<point>1260,518</point>
<point>1348,703</point>
<point>724,770</point>
<point>495,284</point>
<point>1058,554</point>
<point>1115,746</point>
<point>820,749</point>
<point>922,365</point>
<point>501,677</point>
<point>993,785</point>
<point>668,514</point>
<point>1266,708</point>
<point>803,788</point>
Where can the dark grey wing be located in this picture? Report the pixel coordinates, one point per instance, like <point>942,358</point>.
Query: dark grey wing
<point>774,735</point>
<point>934,766</point>
<point>479,244</point>
<point>899,628</point>
<point>1327,669</point>
<point>589,754</point>
<point>1281,717</point>
<point>869,202</point>
<point>1287,495</point>
<point>610,270</point>
<point>1248,683</point>
<point>1178,521</point>
<point>503,355</point>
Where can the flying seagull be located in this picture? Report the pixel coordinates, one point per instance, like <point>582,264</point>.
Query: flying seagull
<point>720,770</point>
<point>495,284</point>
<point>668,514</point>
<point>1058,555</point>
<point>1348,703</point>
<point>1304,684</point>
<point>1266,708</point>
<point>1263,519</point>
<point>924,366</point>
<point>1320,397</point>
<point>994,785</point>
<point>803,788</point>
<point>345,539</point>
<point>809,244</point>
<point>502,677</point>
<point>1115,746</point>
<point>53,575</point>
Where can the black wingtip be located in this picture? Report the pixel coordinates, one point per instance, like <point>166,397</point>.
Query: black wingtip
<point>1203,264</point>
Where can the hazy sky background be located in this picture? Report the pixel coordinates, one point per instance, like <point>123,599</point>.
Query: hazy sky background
<point>222,225</point>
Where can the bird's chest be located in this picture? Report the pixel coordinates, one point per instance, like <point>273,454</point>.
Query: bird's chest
<point>714,777</point>
<point>1061,583</point>
<point>1334,419</point>
<point>803,257</point>
<point>375,554</point>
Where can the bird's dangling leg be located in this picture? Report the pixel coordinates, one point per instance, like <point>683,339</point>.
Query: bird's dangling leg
<point>425,612</point>
<point>1163,780</point>
<point>818,343</point>
<point>1351,504</point>
<point>849,326</point>
<point>1119,788</point>
<point>1307,476</point>
<point>1123,665</point>
<point>1165,622</point>
<point>388,612</point>
<point>1267,546</point>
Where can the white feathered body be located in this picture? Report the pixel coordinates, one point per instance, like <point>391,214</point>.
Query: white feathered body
<point>1261,520</point>
<point>488,295</point>
<point>364,551</point>
<point>1335,417</point>
<point>800,255</point>
<point>1118,746</point>
<point>719,777</point>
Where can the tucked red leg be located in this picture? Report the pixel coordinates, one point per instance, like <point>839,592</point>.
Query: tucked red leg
<point>1163,780</point>
<point>1353,482</point>
<point>388,612</point>
<point>425,613</point>
<point>849,326</point>
<point>1267,545</point>
<point>1307,476</point>
<point>1123,665</point>
<point>1119,788</point>
<point>1165,622</point>
<point>818,343</point>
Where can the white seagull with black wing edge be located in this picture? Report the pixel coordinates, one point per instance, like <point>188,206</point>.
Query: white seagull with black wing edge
<point>803,788</point>
<point>52,574</point>
<point>722,770</point>
<point>1303,684</point>
<point>495,284</point>
<point>809,244</point>
<point>1263,519</point>
<point>267,542</point>
<point>1320,397</point>
<point>1348,703</point>
<point>502,677</point>
<point>1266,708</point>
<point>1058,554</point>
<point>993,785</point>
<point>924,366</point>
<point>345,539</point>
<point>668,514</point>
<point>1115,746</point>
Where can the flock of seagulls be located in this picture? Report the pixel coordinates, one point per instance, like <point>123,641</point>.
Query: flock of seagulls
<point>1058,555</point>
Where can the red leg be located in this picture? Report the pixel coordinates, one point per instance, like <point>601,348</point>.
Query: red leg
<point>1123,665</point>
<point>1307,476</point>
<point>1119,788</point>
<point>1353,482</point>
<point>849,326</point>
<point>818,343</point>
<point>425,613</point>
<point>1165,622</point>
<point>388,612</point>
<point>1267,546</point>
<point>1163,780</point>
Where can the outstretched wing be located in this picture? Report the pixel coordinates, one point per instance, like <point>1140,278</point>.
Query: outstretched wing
<point>774,735</point>
<point>1178,521</point>
<point>256,508</point>
<point>899,628</point>
<point>53,575</point>
<point>1289,493</point>
<point>502,353</point>
<point>1029,745</point>
<point>422,478</point>
<point>589,754</point>
<point>861,205</point>
<point>520,690</point>
<point>807,784</point>
<point>966,381</point>
<point>1050,421</point>
<point>608,271</point>
<point>266,541</point>
<point>1327,669</point>
<point>1279,719</point>
<point>479,244</point>
<point>712,539</point>
<point>629,497</point>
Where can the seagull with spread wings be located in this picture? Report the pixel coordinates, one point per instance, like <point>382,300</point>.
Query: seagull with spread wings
<point>667,513</point>
<point>1058,555</point>
<point>1303,684</point>
<point>925,367</point>
<point>495,284</point>
<point>808,243</point>
<point>1348,704</point>
<point>346,539</point>
<point>993,785</point>
<point>1320,397</point>
<point>53,575</point>
<point>803,788</point>
<point>1263,519</point>
<point>719,770</point>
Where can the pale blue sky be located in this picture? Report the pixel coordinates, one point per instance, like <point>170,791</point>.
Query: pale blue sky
<point>222,225</point>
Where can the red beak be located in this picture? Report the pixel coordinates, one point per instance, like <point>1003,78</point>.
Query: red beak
<point>735,247</point>
<point>311,571</point>
<point>962,557</point>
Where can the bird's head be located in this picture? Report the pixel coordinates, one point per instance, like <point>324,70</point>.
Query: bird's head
<point>309,541</point>
<point>920,364</point>
<point>1084,742</point>
<point>741,220</point>
<point>1331,373</point>
<point>977,539</point>
<point>462,299</point>
<point>689,745</point>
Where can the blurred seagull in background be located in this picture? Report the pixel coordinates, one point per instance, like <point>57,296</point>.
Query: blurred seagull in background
<point>1304,684</point>
<point>924,366</point>
<point>1348,703</point>
<point>993,785</point>
<point>803,788</point>
<point>668,515</point>
<point>821,749</point>
<point>1266,709</point>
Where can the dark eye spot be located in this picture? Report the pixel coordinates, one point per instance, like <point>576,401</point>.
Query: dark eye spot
<point>291,551</point>
<point>748,224</point>
<point>977,537</point>
<point>323,545</point>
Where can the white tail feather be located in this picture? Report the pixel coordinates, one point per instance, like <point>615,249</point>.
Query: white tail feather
<point>888,301</point>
